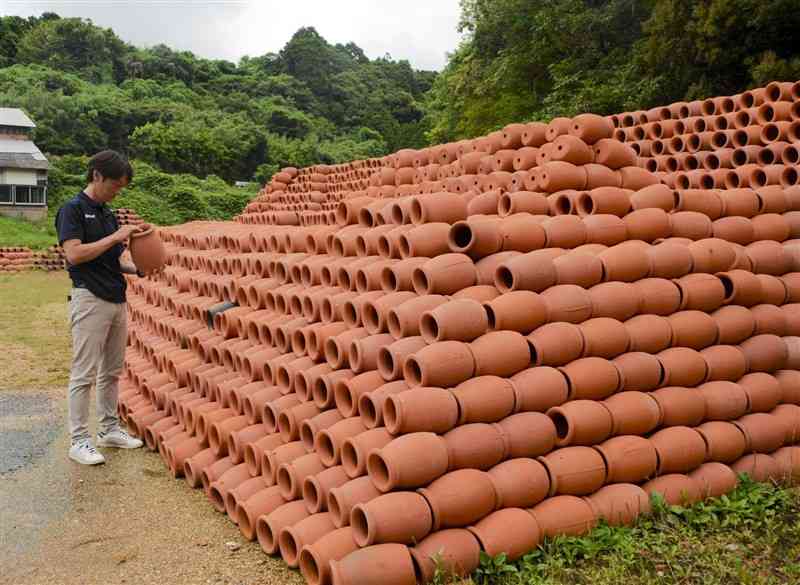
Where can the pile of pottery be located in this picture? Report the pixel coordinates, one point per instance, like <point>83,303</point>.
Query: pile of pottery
<point>746,140</point>
<point>127,216</point>
<point>391,366</point>
<point>20,259</point>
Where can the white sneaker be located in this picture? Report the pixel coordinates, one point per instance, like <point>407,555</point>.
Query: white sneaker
<point>119,439</point>
<point>84,453</point>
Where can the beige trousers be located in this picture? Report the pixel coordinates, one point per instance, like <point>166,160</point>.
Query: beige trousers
<point>99,336</point>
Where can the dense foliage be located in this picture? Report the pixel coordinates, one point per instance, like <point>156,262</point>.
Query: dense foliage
<point>165,198</point>
<point>312,102</point>
<point>523,60</point>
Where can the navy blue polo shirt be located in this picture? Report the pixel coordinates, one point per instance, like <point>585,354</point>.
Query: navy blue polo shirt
<point>82,218</point>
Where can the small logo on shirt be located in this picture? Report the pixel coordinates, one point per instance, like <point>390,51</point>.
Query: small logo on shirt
<point>89,215</point>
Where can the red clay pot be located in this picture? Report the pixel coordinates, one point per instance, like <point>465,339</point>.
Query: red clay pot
<point>648,224</point>
<point>460,497</point>
<point>639,371</point>
<point>421,409</point>
<point>734,323</point>
<point>789,381</point>
<point>725,362</point>
<point>402,517</point>
<point>343,498</point>
<point>382,564</point>
<point>527,434</point>
<point>712,255</point>
<point>788,459</point>
<point>307,531</point>
<point>683,366</point>
<point>495,538</point>
<point>789,417</point>
<point>532,271</point>
<point>628,458</point>
<point>676,489</point>
<point>521,311</point>
<point>616,300</point>
<point>454,551</point>
<point>445,363</point>
<point>564,516</point>
<point>680,449</point>
<point>391,358</point>
<point>556,344</point>
<point>147,249</point>
<point>501,353</point>
<point>591,378</point>
<point>715,479</point>
<point>604,337</point>
<point>575,470</point>
<point>620,504</point>
<point>370,404</point>
<point>725,443</point>
<point>765,353</point>
<point>568,302</point>
<point>328,442</point>
<point>269,526</point>
<point>633,413</point>
<point>581,422</point>
<point>355,449</point>
<point>724,400</point>
<point>537,389</point>
<point>317,487</point>
<point>649,333</point>
<point>484,399</point>
<point>519,483</point>
<point>680,406</point>
<point>445,274</point>
<point>759,466</point>
<point>457,320</point>
<point>315,558</point>
<point>397,466</point>
<point>475,445</point>
<point>764,433</point>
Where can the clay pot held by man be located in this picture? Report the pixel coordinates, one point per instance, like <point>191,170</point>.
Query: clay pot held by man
<point>147,249</point>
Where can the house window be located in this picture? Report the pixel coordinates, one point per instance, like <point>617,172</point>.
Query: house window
<point>5,195</point>
<point>37,195</point>
<point>22,195</point>
<point>28,195</point>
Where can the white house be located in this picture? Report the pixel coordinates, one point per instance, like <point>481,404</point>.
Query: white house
<point>23,168</point>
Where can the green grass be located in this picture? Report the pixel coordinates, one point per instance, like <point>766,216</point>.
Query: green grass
<point>35,342</point>
<point>19,232</point>
<point>751,536</point>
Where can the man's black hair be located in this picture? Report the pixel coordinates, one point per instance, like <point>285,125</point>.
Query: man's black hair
<point>111,165</point>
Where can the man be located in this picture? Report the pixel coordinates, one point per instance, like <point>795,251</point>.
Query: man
<point>93,243</point>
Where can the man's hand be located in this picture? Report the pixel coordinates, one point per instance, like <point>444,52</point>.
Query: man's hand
<point>124,232</point>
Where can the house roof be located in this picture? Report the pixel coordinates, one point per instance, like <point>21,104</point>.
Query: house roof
<point>15,117</point>
<point>21,154</point>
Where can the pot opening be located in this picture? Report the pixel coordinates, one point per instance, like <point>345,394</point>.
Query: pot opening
<point>461,236</point>
<point>561,423</point>
<point>504,278</point>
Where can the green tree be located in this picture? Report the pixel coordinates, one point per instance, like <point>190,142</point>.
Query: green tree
<point>75,45</point>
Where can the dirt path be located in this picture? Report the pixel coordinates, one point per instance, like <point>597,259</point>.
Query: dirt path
<point>126,521</point>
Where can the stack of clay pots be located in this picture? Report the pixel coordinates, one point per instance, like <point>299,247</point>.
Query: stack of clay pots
<point>470,359</point>
<point>309,196</point>
<point>127,216</point>
<point>20,259</point>
<point>748,140</point>
<point>15,259</point>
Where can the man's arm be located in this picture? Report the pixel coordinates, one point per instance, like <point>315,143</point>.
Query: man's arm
<point>78,252</point>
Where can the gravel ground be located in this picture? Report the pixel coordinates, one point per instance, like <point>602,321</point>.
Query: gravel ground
<point>126,521</point>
